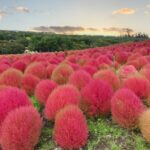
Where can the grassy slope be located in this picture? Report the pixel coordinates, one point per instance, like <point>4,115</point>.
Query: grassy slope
<point>103,135</point>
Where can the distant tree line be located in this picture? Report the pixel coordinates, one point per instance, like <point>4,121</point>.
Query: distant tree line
<point>14,42</point>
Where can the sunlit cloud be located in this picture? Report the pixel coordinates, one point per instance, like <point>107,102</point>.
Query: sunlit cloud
<point>22,9</point>
<point>2,14</point>
<point>124,11</point>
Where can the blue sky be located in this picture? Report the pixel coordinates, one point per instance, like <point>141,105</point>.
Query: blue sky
<point>103,16</point>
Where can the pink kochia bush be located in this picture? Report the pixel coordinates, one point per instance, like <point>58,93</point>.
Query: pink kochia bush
<point>11,98</point>
<point>96,98</point>
<point>29,83</point>
<point>49,70</point>
<point>61,73</point>
<point>4,67</point>
<point>21,129</point>
<point>70,131</point>
<point>90,69</point>
<point>139,85</point>
<point>20,65</point>
<point>145,72</point>
<point>44,89</point>
<point>11,77</point>
<point>80,78</point>
<point>126,108</point>
<point>109,76</point>
<point>125,71</point>
<point>3,87</point>
<point>59,98</point>
<point>37,69</point>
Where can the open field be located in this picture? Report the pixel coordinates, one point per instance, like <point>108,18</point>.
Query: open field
<point>94,99</point>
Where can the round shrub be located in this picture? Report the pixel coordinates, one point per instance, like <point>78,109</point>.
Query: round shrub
<point>61,73</point>
<point>80,79</point>
<point>59,98</point>
<point>37,69</point>
<point>20,65</point>
<point>126,108</point>
<point>4,67</point>
<point>96,98</point>
<point>103,59</point>
<point>11,77</point>
<point>21,129</point>
<point>121,57</point>
<point>125,71</point>
<point>139,85</point>
<point>50,69</point>
<point>11,98</point>
<point>29,83</point>
<point>144,124</point>
<point>90,69</point>
<point>70,131</point>
<point>44,89</point>
<point>74,66</point>
<point>5,60</point>
<point>142,61</point>
<point>109,76</point>
<point>3,87</point>
<point>145,72</point>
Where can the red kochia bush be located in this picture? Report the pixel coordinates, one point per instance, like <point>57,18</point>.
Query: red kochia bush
<point>3,87</point>
<point>90,69</point>
<point>121,57</point>
<point>37,69</point>
<point>44,89</point>
<point>4,67</point>
<point>11,77</point>
<point>109,76</point>
<point>29,83</point>
<point>139,85</point>
<point>96,98</point>
<point>12,98</point>
<point>49,70</point>
<point>61,73</point>
<point>126,108</point>
<point>70,131</point>
<point>144,124</point>
<point>126,70</point>
<point>20,65</point>
<point>21,129</point>
<point>146,72</point>
<point>80,78</point>
<point>59,98</point>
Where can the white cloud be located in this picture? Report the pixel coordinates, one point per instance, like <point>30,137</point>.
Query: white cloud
<point>147,13</point>
<point>148,6</point>
<point>22,9</point>
<point>2,14</point>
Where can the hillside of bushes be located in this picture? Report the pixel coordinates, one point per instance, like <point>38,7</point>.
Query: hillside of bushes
<point>16,42</point>
<point>94,99</point>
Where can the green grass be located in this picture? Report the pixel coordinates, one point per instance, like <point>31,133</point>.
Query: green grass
<point>103,135</point>
<point>36,103</point>
<point>46,142</point>
<point>106,135</point>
